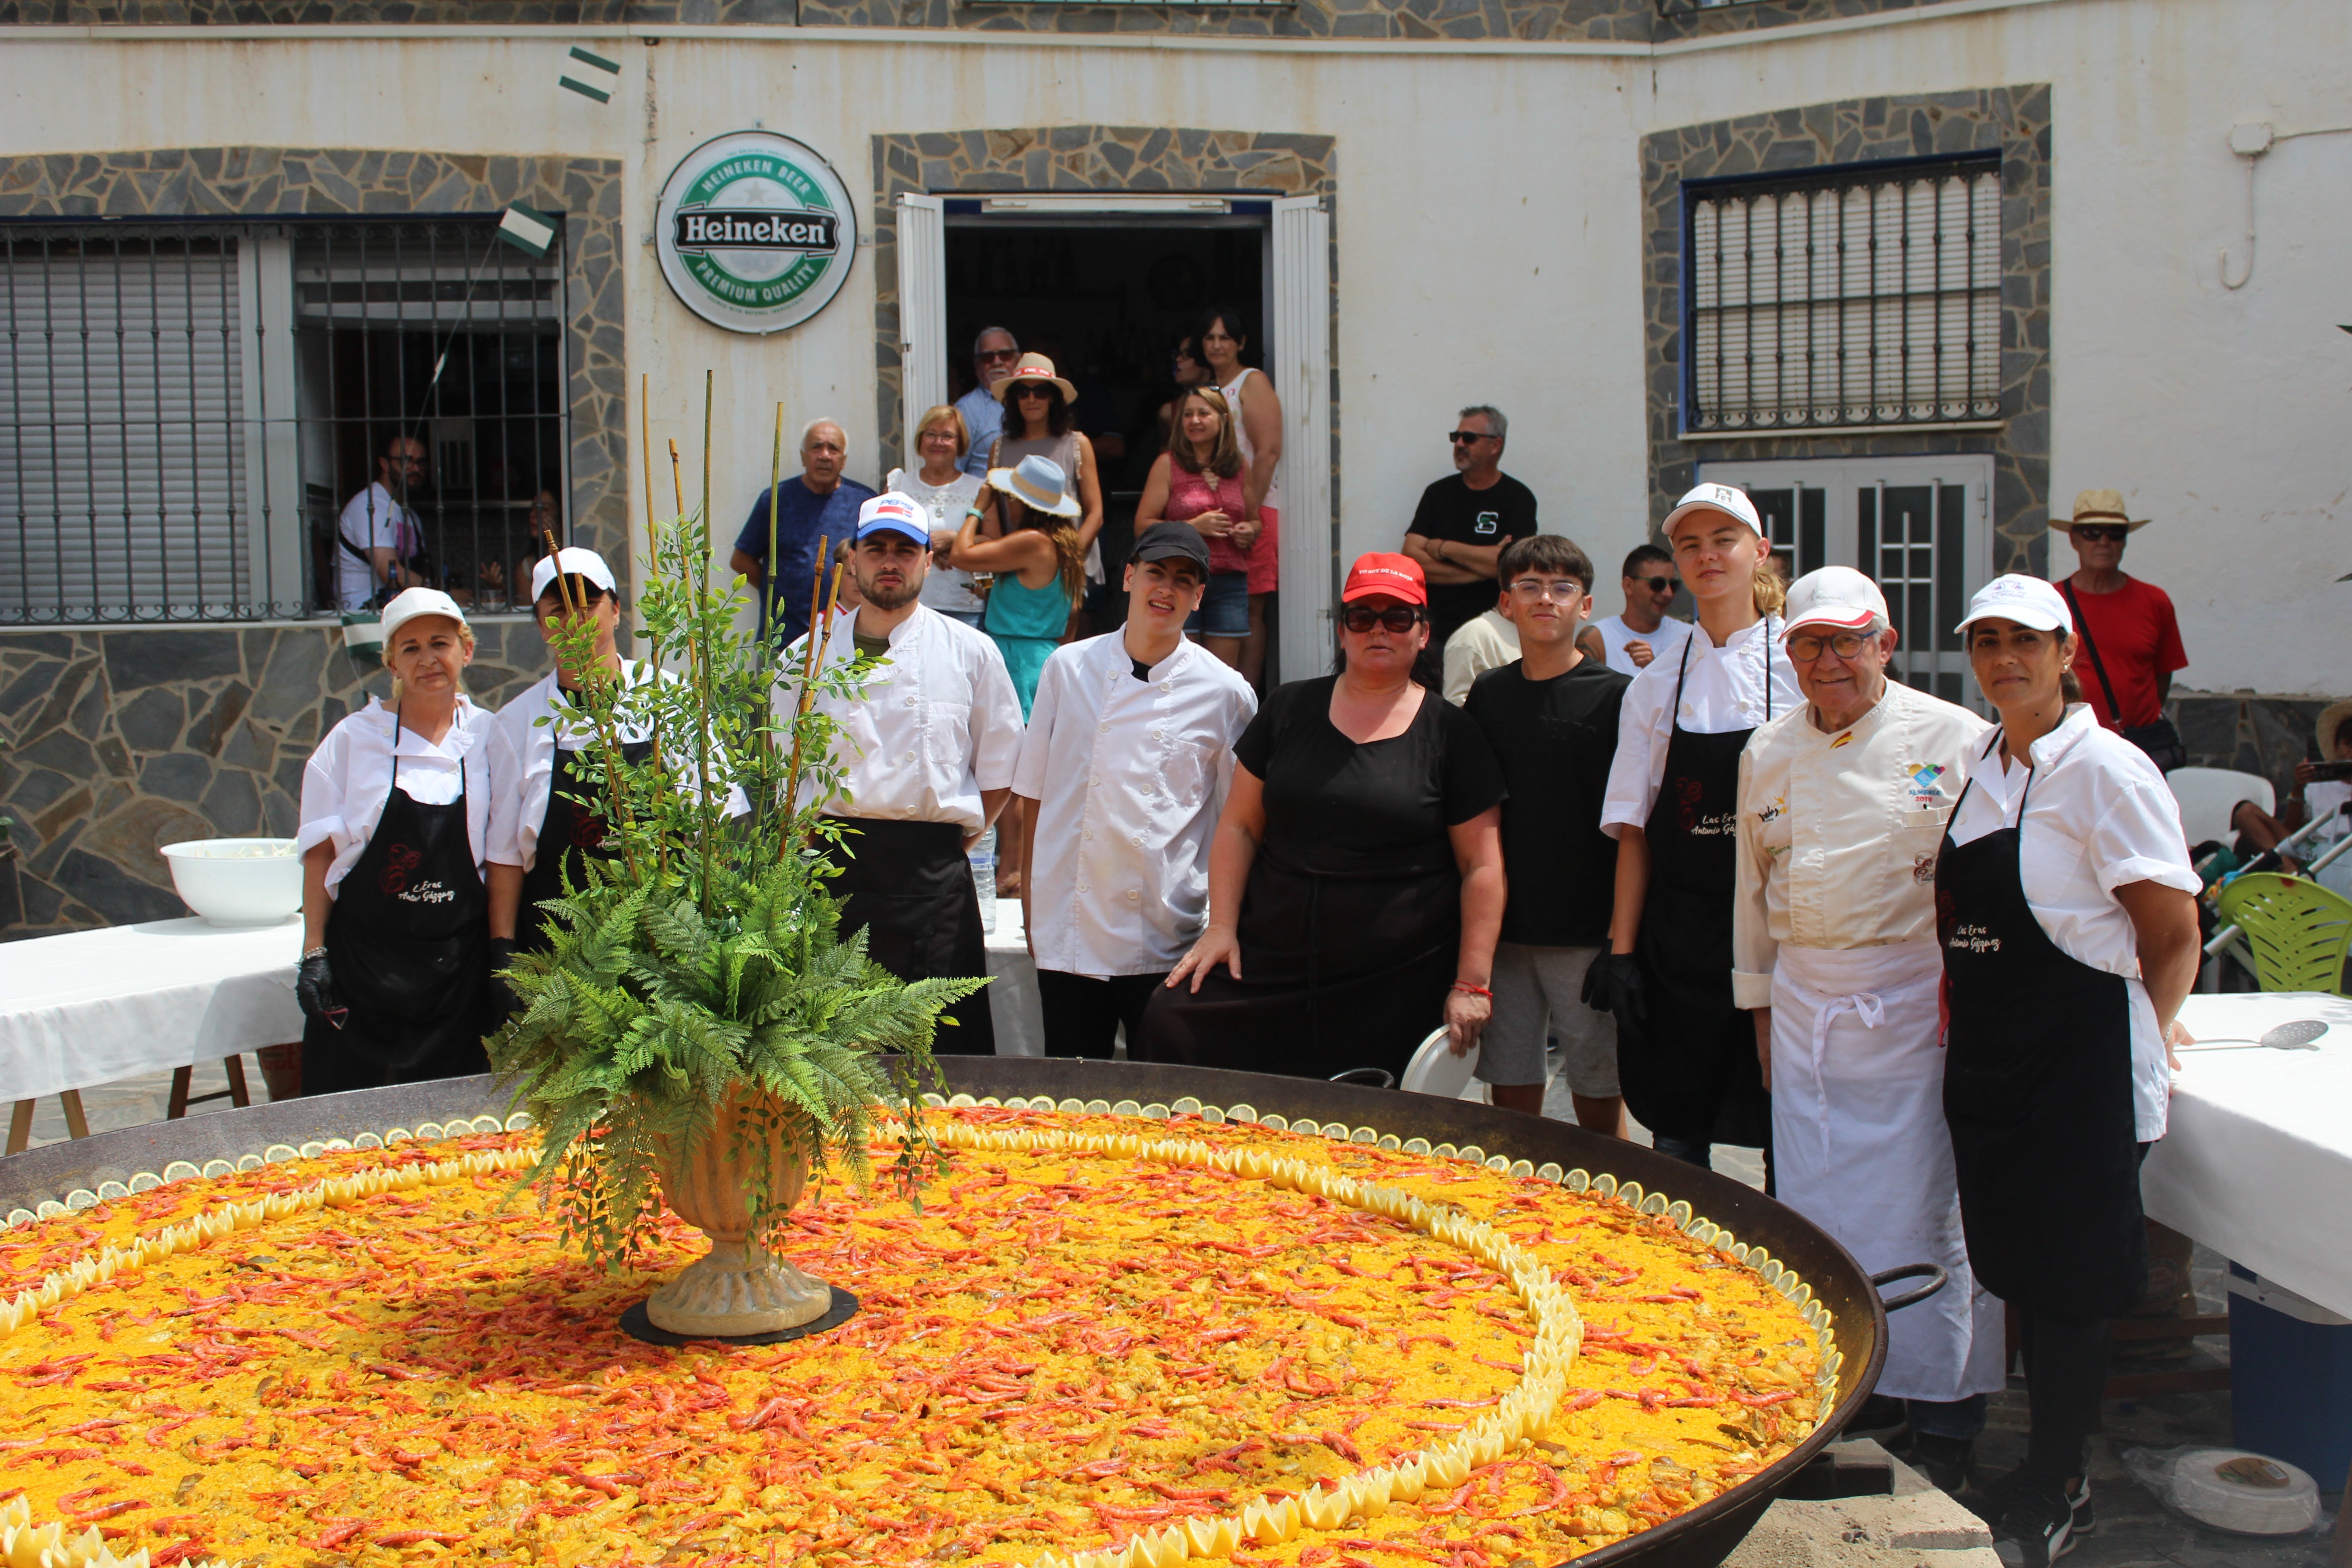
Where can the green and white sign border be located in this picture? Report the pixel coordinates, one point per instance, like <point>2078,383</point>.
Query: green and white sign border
<point>677,270</point>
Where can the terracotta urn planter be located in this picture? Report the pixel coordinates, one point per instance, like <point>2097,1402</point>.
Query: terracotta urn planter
<point>737,1288</point>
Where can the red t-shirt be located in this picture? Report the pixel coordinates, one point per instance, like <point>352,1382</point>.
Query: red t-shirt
<point>2138,639</point>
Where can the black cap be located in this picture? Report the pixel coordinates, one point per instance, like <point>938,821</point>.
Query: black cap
<point>1166,541</point>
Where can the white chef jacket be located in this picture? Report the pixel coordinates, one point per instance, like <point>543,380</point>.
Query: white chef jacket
<point>2098,816</point>
<point>1664,643</point>
<point>939,723</point>
<point>1724,689</point>
<point>535,744</point>
<point>1838,833</point>
<point>350,775</point>
<point>1486,641</point>
<point>1129,776</point>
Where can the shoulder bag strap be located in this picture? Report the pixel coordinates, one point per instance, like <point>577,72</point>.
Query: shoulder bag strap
<point>2091,645</point>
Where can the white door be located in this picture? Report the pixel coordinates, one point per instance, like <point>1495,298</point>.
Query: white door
<point>1300,316</point>
<point>1920,527</point>
<point>923,318</point>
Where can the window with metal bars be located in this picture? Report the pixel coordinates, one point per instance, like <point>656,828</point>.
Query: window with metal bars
<point>1866,295</point>
<point>192,415</point>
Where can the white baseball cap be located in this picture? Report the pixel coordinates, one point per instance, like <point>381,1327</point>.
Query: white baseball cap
<point>415,602</point>
<point>572,562</point>
<point>1836,596</point>
<point>2028,600</point>
<point>1711,497</point>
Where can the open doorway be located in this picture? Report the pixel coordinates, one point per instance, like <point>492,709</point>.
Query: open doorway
<point>1106,298</point>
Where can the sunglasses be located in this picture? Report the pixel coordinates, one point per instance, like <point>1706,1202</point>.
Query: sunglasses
<point>1033,389</point>
<point>2101,532</point>
<point>1845,645</point>
<point>1000,353</point>
<point>1660,585</point>
<point>1464,437</point>
<point>1398,619</point>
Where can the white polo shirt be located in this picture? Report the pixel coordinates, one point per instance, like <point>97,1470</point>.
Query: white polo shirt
<point>1742,685</point>
<point>939,723</point>
<point>2098,815</point>
<point>349,778</point>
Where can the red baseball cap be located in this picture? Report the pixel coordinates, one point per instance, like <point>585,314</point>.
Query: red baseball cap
<point>1380,572</point>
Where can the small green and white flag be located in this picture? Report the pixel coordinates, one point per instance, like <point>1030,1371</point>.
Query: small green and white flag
<point>590,75</point>
<point>528,229</point>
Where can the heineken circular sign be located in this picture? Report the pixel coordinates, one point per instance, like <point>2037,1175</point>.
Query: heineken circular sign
<point>755,232</point>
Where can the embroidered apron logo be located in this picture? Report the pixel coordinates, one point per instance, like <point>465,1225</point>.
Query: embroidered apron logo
<point>1972,939</point>
<point>398,862</point>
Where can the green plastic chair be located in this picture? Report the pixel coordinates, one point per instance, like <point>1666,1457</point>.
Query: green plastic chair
<point>2298,929</point>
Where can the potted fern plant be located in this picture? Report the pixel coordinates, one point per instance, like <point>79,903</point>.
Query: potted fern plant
<point>700,1031</point>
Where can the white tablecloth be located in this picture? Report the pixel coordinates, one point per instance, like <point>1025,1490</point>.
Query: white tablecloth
<point>1013,1003</point>
<point>93,1006</point>
<point>2257,1164</point>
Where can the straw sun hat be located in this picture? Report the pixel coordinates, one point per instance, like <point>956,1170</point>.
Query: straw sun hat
<point>2098,506</point>
<point>1033,367</point>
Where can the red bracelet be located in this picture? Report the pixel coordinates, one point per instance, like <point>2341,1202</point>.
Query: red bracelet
<point>1473,990</point>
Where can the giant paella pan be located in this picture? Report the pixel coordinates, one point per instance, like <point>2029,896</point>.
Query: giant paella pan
<point>1149,1315</point>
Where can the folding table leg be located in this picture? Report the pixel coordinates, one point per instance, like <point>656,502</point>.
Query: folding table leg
<point>236,1094</point>
<point>77,1124</point>
<point>20,1127</point>
<point>178,1107</point>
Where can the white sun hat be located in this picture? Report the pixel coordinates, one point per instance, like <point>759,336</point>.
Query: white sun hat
<point>2028,600</point>
<point>1038,483</point>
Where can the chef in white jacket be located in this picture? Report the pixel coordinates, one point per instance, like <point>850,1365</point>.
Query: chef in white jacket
<point>1842,808</point>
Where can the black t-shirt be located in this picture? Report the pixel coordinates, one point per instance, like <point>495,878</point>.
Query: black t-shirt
<point>1555,740</point>
<point>1451,509</point>
<point>1336,807</point>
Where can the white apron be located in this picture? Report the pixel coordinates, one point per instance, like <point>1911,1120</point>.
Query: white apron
<point>1860,1148</point>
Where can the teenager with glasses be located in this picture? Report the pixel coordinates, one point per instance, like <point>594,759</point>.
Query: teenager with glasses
<point>1356,875</point>
<point>1629,642</point>
<point>2131,638</point>
<point>1460,528</point>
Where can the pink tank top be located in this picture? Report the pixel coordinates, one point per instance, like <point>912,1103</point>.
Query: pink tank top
<point>1190,494</point>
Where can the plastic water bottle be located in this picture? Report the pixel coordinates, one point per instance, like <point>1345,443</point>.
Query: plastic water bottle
<point>983,857</point>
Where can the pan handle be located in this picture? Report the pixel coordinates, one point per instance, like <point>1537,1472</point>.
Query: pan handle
<point>1931,1272</point>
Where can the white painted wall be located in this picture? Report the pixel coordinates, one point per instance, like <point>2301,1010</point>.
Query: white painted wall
<point>1488,229</point>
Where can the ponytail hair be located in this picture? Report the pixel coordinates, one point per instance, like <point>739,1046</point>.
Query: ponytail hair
<point>1771,591</point>
<point>2070,685</point>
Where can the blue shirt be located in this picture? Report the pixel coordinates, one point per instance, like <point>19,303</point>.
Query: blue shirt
<point>800,516</point>
<point>984,417</point>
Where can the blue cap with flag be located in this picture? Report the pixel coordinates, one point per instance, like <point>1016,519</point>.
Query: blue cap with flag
<point>893,513</point>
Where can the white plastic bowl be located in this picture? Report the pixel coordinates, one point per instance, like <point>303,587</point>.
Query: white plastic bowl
<point>238,881</point>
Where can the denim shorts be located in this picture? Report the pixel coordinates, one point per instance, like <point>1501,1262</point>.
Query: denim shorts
<point>1225,608</point>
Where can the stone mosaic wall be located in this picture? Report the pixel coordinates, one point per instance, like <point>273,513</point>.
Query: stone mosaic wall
<point>1081,158</point>
<point>2014,120</point>
<point>114,742</point>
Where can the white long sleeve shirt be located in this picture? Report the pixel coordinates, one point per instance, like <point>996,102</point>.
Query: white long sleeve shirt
<point>1739,686</point>
<point>1838,833</point>
<point>349,778</point>
<point>939,724</point>
<point>2097,815</point>
<point>1129,776</point>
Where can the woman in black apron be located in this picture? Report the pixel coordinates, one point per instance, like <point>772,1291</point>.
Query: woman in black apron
<point>1361,854</point>
<point>403,823</point>
<point>1686,1056</point>
<point>2049,1054</point>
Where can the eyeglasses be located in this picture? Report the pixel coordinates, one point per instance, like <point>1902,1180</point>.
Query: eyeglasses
<point>1845,645</point>
<point>1561,590</point>
<point>1398,619</point>
<point>1660,585</point>
<point>2100,533</point>
<point>1464,437</point>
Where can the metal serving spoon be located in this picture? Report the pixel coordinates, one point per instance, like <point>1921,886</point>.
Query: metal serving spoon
<point>2296,1036</point>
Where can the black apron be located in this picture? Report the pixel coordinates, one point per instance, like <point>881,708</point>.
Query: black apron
<point>2038,1092</point>
<point>1343,970</point>
<point>1689,1069</point>
<point>408,944</point>
<point>570,834</point>
<point>910,886</point>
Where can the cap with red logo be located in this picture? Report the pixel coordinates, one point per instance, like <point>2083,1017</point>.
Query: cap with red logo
<point>1382,572</point>
<point>893,513</point>
<point>1836,596</point>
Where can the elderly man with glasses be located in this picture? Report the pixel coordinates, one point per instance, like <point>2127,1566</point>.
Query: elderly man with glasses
<point>994,353</point>
<point>2131,638</point>
<point>1460,528</point>
<point>1841,806</point>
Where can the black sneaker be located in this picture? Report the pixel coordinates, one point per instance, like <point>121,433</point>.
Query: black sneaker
<point>2078,1502</point>
<point>1948,1463</point>
<point>2031,1528</point>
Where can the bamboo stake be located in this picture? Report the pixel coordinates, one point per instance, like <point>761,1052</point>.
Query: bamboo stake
<point>810,664</point>
<point>693,667</point>
<point>654,558</point>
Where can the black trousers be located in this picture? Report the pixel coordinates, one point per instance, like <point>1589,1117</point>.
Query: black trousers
<point>1083,1014</point>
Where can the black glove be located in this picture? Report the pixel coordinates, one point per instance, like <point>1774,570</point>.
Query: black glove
<point>314,988</point>
<point>503,1002</point>
<point>1614,984</point>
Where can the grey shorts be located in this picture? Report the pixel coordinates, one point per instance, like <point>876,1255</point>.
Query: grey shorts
<point>1537,994</point>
